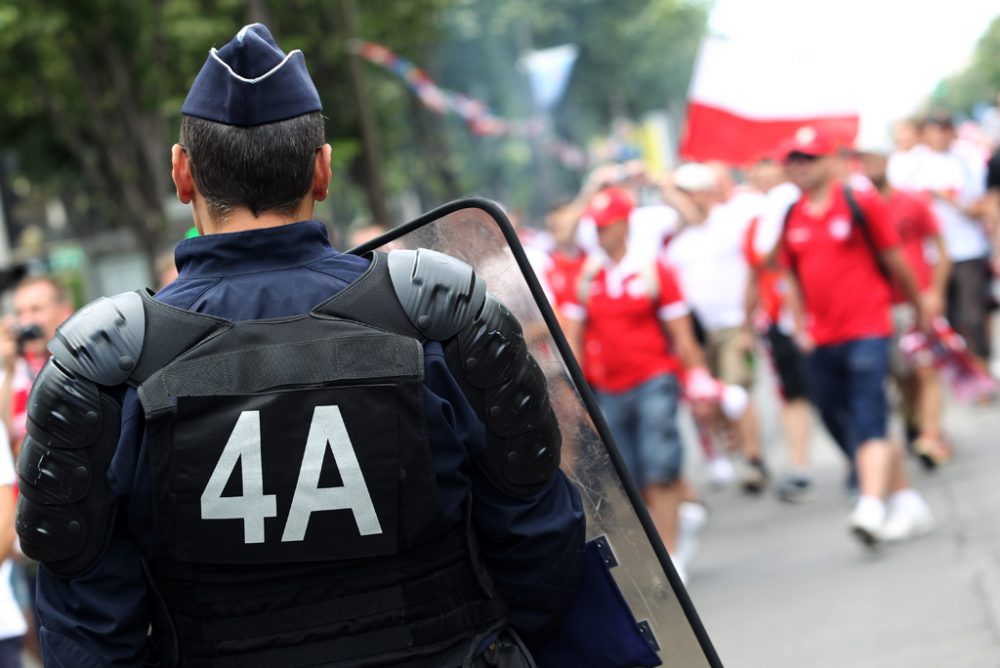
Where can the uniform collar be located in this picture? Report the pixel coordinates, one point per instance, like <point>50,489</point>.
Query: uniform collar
<point>252,251</point>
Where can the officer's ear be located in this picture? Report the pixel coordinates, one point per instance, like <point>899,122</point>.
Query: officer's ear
<point>180,171</point>
<point>322,173</point>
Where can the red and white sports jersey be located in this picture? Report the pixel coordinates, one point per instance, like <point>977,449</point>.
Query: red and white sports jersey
<point>25,372</point>
<point>562,273</point>
<point>769,279</point>
<point>845,295</point>
<point>624,340</point>
<point>915,223</point>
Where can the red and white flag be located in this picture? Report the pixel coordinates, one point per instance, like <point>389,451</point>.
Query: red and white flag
<point>748,96</point>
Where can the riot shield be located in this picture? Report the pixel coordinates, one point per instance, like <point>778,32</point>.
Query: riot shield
<point>478,232</point>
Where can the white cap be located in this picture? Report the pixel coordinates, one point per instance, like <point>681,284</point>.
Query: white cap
<point>695,177</point>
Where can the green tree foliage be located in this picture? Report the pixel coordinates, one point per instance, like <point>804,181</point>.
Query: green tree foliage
<point>92,89</point>
<point>980,82</point>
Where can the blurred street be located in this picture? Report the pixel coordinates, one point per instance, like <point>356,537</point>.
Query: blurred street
<point>785,585</point>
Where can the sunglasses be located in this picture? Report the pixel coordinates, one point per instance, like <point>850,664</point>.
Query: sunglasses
<point>801,158</point>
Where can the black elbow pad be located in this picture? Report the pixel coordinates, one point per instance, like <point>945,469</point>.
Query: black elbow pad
<point>64,511</point>
<point>486,351</point>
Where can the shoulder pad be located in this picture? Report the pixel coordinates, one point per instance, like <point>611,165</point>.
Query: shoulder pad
<point>102,342</point>
<point>440,294</point>
<point>486,352</point>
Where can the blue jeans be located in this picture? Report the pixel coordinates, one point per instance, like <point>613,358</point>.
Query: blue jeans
<point>848,388</point>
<point>643,422</point>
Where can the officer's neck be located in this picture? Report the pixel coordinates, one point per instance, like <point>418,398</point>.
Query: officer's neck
<point>242,220</point>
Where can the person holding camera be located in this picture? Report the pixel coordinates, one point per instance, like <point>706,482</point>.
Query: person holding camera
<point>41,304</point>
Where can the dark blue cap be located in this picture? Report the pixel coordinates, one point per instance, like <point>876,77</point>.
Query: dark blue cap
<point>250,81</point>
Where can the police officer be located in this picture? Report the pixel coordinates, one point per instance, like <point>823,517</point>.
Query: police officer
<point>292,456</point>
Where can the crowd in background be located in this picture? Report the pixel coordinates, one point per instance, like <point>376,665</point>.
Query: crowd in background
<point>669,288</point>
<point>843,266</point>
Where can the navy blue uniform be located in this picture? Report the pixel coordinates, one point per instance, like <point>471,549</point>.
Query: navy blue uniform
<point>532,547</point>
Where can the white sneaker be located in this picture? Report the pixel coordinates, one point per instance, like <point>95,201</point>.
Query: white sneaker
<point>907,521</point>
<point>680,568</point>
<point>691,519</point>
<point>866,520</point>
<point>721,472</point>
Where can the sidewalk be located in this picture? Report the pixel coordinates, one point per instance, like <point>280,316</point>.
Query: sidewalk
<point>785,585</point>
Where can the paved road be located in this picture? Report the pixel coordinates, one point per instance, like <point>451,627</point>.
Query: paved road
<point>779,585</point>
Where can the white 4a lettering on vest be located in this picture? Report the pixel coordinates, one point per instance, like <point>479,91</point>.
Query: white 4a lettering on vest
<point>243,448</point>
<point>326,431</point>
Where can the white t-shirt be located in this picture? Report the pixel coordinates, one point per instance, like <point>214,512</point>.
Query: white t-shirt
<point>965,238</point>
<point>649,227</point>
<point>903,167</point>
<point>12,623</point>
<point>711,266</point>
<point>772,219</point>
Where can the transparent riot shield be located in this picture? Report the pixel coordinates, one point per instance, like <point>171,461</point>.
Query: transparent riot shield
<point>479,233</point>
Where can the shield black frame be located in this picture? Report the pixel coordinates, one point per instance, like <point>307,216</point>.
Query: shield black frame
<point>499,217</point>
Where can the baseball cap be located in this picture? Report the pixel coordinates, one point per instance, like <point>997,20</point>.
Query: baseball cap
<point>609,206</point>
<point>808,140</point>
<point>695,177</point>
<point>251,81</point>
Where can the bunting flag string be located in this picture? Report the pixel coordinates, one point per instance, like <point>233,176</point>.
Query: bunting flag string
<point>476,114</point>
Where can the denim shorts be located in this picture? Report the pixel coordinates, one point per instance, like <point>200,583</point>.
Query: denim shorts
<point>643,422</point>
<point>789,364</point>
<point>848,386</point>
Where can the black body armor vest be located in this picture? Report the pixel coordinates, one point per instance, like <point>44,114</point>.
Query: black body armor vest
<point>297,518</point>
<point>297,513</point>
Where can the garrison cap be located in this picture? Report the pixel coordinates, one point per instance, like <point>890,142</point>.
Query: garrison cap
<point>251,81</point>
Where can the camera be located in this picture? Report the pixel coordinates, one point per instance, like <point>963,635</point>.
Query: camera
<point>28,333</point>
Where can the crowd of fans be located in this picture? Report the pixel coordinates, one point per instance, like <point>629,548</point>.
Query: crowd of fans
<point>843,266</point>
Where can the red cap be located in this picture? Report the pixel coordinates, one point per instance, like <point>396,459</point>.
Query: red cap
<point>808,141</point>
<point>609,206</point>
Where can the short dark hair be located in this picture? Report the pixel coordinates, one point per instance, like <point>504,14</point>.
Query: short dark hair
<point>262,168</point>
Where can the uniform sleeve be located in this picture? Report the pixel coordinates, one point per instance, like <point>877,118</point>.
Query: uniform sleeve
<point>671,304</point>
<point>531,546</point>
<point>876,213</point>
<point>99,619</point>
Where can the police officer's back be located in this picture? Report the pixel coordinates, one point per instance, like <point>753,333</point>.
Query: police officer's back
<point>289,457</point>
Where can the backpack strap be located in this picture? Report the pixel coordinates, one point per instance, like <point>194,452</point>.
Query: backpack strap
<point>858,218</point>
<point>772,259</point>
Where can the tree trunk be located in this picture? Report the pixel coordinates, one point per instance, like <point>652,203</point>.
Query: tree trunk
<point>373,183</point>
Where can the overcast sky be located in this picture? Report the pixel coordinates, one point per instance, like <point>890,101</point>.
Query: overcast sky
<point>895,50</point>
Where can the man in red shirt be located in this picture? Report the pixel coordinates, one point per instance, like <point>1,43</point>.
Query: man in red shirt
<point>911,215</point>
<point>841,297</point>
<point>632,331</point>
